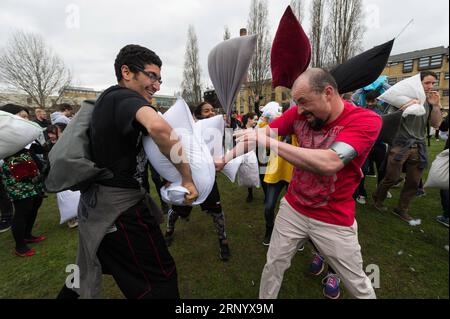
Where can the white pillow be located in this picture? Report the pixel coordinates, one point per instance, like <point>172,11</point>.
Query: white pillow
<point>198,156</point>
<point>438,175</point>
<point>231,169</point>
<point>405,91</point>
<point>16,133</point>
<point>211,131</point>
<point>248,175</point>
<point>68,205</point>
<point>272,110</point>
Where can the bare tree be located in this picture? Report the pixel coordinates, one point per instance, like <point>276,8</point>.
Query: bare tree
<point>27,64</point>
<point>260,64</point>
<point>318,45</point>
<point>298,6</point>
<point>345,29</point>
<point>191,85</point>
<point>226,34</point>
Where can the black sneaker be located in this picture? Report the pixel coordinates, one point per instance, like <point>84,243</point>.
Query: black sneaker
<point>442,220</point>
<point>4,226</point>
<point>421,193</point>
<point>224,251</point>
<point>267,236</point>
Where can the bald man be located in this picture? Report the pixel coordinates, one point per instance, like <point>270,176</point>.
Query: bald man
<point>335,138</point>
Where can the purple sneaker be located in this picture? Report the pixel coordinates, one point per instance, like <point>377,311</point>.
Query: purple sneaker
<point>331,287</point>
<point>317,265</point>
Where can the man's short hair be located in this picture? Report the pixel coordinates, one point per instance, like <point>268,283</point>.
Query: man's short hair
<point>65,107</point>
<point>319,79</point>
<point>372,95</point>
<point>424,74</point>
<point>134,56</point>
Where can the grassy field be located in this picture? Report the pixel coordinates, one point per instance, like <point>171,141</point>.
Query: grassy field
<point>412,260</point>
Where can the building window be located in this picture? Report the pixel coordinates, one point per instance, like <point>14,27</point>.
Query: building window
<point>285,96</point>
<point>430,62</point>
<point>392,81</point>
<point>446,76</point>
<point>408,66</point>
<point>436,61</point>
<point>273,97</point>
<point>445,93</point>
<point>438,79</point>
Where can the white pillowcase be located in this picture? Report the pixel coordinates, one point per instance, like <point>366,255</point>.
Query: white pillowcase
<point>405,91</point>
<point>438,175</point>
<point>248,174</point>
<point>197,152</point>
<point>68,205</point>
<point>16,133</point>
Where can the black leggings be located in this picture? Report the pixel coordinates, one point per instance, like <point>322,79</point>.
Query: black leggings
<point>25,212</point>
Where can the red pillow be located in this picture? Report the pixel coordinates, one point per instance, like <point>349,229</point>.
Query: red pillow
<point>291,51</point>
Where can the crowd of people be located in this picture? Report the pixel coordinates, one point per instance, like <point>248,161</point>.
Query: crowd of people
<point>321,149</point>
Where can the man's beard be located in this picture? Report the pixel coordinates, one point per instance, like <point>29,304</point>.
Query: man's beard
<point>317,124</point>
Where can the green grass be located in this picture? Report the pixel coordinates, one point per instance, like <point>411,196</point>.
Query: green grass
<point>420,272</point>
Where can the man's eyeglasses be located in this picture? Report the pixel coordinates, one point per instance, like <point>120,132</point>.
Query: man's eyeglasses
<point>151,75</point>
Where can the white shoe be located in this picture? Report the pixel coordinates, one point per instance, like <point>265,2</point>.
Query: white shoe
<point>73,223</point>
<point>389,195</point>
<point>361,200</point>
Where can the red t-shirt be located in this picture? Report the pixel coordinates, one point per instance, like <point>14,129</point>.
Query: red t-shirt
<point>324,198</point>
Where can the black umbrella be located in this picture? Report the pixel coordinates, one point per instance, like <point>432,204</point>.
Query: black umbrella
<point>363,69</point>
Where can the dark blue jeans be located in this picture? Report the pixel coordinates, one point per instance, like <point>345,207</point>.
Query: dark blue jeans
<point>273,192</point>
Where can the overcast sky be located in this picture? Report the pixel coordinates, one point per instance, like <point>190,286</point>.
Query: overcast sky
<point>89,34</point>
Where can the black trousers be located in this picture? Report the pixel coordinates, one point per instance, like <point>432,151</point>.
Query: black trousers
<point>137,256</point>
<point>25,213</point>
